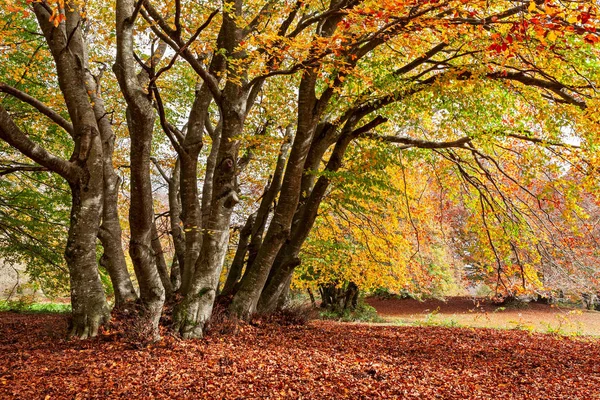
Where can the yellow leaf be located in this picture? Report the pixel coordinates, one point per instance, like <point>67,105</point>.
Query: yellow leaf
<point>551,36</point>
<point>531,6</point>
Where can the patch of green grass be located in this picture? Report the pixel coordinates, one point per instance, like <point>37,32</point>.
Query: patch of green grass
<point>362,313</point>
<point>434,319</point>
<point>27,307</point>
<point>564,326</point>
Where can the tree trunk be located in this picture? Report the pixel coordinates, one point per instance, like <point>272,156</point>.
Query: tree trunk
<point>351,296</point>
<point>140,121</point>
<point>195,311</point>
<point>288,258</point>
<point>173,182</point>
<point>113,258</point>
<point>175,274</point>
<point>310,109</point>
<point>237,265</point>
<point>191,218</point>
<point>246,299</point>
<point>313,302</point>
<point>175,224</point>
<point>88,301</point>
<point>161,264</point>
<point>274,292</point>
<point>67,46</point>
<point>269,197</point>
<point>141,219</point>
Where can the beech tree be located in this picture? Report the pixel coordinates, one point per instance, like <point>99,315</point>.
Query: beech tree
<point>83,171</point>
<point>309,77</point>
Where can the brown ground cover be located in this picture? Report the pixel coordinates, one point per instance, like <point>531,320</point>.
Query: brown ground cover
<point>320,360</point>
<point>481,313</point>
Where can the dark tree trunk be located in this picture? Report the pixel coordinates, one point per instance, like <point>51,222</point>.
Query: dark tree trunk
<point>351,296</point>
<point>331,296</point>
<point>175,275</point>
<point>161,264</point>
<point>313,302</point>
<point>288,257</point>
<point>141,217</point>
<point>268,199</point>
<point>310,109</point>
<point>191,217</point>
<point>246,299</point>
<point>175,223</point>
<point>277,286</point>
<point>140,121</point>
<point>338,298</point>
<point>237,265</point>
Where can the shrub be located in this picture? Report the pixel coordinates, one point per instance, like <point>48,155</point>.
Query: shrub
<point>362,313</point>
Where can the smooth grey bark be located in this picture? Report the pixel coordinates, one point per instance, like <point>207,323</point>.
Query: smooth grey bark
<point>140,121</point>
<point>211,164</point>
<point>110,234</point>
<point>195,311</point>
<point>88,300</point>
<point>196,212</point>
<point>189,147</point>
<point>89,307</point>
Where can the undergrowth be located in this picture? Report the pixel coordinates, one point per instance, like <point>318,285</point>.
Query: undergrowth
<point>362,313</point>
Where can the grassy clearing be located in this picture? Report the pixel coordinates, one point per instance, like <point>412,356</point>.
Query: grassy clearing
<point>27,307</point>
<point>454,313</point>
<point>560,325</point>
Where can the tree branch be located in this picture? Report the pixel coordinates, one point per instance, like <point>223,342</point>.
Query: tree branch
<point>418,143</point>
<point>11,134</point>
<point>38,105</point>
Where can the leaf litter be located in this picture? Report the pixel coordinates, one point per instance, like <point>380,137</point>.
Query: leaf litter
<point>318,360</point>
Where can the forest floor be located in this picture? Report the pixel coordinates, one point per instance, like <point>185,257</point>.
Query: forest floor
<point>481,313</point>
<point>318,360</point>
